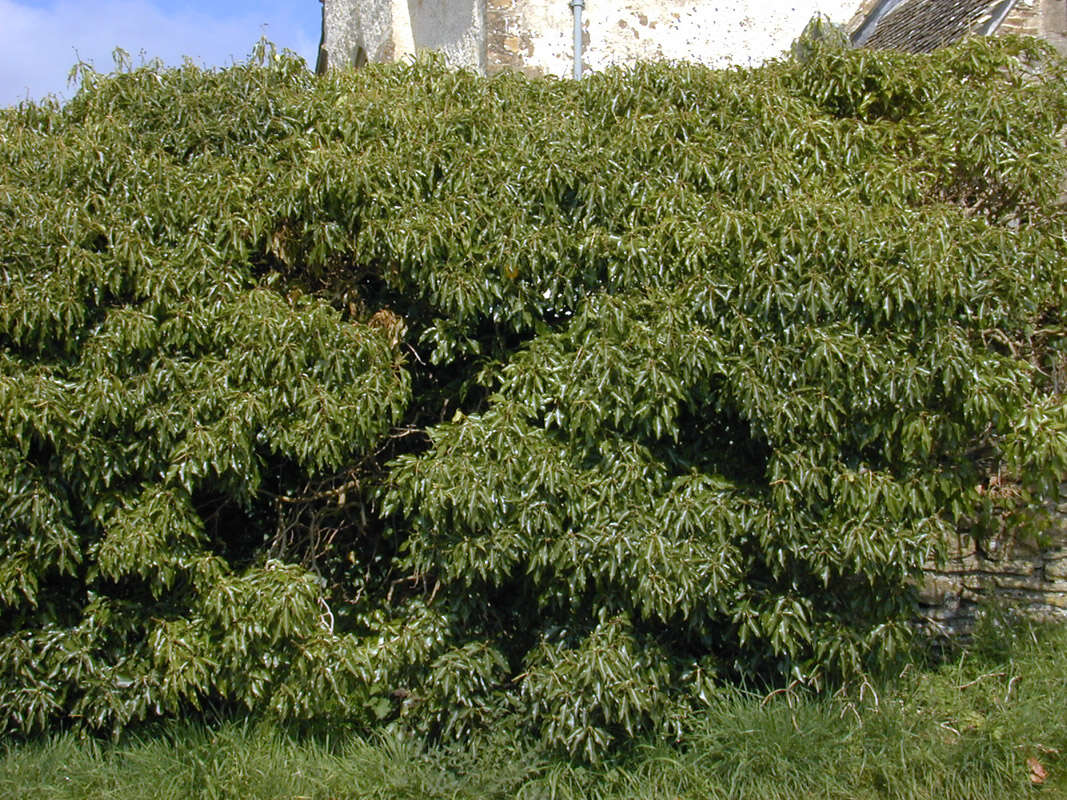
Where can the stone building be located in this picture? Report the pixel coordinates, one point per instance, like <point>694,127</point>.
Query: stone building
<point>538,36</point>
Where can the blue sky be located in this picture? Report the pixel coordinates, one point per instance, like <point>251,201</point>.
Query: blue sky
<point>41,39</point>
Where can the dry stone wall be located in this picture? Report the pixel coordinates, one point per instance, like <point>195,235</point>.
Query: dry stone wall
<point>1028,576</point>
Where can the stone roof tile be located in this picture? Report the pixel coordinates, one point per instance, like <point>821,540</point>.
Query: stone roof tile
<point>919,26</point>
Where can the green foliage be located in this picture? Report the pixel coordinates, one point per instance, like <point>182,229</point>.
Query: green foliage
<point>964,729</point>
<point>407,394</point>
<point>160,396</point>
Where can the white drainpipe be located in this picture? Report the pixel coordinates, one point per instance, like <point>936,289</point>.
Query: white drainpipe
<point>577,6</point>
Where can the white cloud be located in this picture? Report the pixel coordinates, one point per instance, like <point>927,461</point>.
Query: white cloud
<point>38,45</point>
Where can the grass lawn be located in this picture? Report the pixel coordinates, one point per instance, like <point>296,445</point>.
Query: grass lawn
<point>986,723</point>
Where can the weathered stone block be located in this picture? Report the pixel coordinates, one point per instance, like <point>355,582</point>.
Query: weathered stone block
<point>1056,569</point>
<point>1057,600</point>
<point>970,563</point>
<point>937,589</point>
<point>1033,583</point>
<point>975,582</point>
<point>1016,566</point>
<point>948,610</point>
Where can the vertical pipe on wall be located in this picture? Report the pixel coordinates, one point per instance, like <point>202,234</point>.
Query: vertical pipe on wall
<point>322,63</point>
<point>577,6</point>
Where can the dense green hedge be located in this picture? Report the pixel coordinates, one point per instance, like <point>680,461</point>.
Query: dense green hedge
<point>412,394</point>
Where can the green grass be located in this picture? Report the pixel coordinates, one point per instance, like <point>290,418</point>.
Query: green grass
<point>964,728</point>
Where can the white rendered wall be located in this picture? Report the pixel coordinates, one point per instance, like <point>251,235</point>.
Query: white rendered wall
<point>455,28</point>
<point>367,29</point>
<point>714,32</point>
<point>536,36</point>
<point>719,33</point>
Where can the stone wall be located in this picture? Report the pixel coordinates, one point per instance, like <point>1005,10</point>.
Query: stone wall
<point>1024,19</point>
<point>1043,18</point>
<point>531,36</point>
<point>455,28</point>
<point>355,32</point>
<point>718,34</point>
<point>536,36</point>
<point>1029,577</point>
